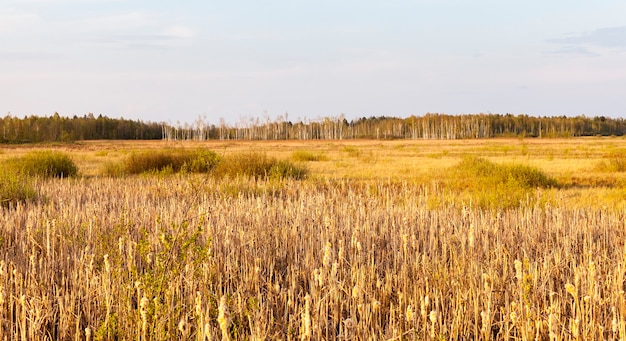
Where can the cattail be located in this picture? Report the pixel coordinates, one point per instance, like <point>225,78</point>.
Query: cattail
<point>182,326</point>
<point>518,270</point>
<point>433,319</point>
<point>143,312</point>
<point>424,307</point>
<point>199,315</point>
<point>198,303</point>
<point>433,316</point>
<point>319,277</point>
<point>574,327</point>
<point>334,270</point>
<point>571,289</point>
<point>553,325</point>
<point>23,318</point>
<point>327,255</point>
<point>486,283</point>
<point>340,253</point>
<point>409,313</point>
<point>470,236</point>
<point>107,266</point>
<point>405,242</point>
<point>356,291</point>
<point>223,318</point>
<point>88,334</point>
<point>305,328</point>
<point>592,271</point>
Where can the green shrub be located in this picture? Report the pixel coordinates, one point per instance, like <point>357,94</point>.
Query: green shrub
<point>149,161</point>
<point>303,156</point>
<point>45,164</point>
<point>249,165</point>
<point>113,169</point>
<point>169,161</point>
<point>490,185</point>
<point>285,169</point>
<point>253,165</point>
<point>15,187</point>
<point>473,169</point>
<point>201,161</point>
<point>258,166</point>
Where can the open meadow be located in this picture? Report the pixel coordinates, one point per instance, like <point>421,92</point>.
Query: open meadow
<point>504,239</point>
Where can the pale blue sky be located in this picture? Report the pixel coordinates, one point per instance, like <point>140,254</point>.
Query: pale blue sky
<point>174,61</point>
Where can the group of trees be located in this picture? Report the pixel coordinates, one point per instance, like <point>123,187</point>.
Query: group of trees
<point>33,129</point>
<point>429,126</point>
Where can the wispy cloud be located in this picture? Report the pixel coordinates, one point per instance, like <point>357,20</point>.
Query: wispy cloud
<point>613,38</point>
<point>575,50</point>
<point>134,30</point>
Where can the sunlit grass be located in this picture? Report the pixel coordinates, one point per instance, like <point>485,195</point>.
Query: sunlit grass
<point>490,239</point>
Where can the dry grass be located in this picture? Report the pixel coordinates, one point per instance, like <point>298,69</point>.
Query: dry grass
<point>369,257</point>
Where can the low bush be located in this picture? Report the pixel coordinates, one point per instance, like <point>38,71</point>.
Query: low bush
<point>303,156</point>
<point>475,168</point>
<point>113,169</point>
<point>491,185</point>
<point>196,161</point>
<point>201,161</point>
<point>46,164</point>
<point>285,169</point>
<point>259,166</point>
<point>249,165</point>
<point>15,187</point>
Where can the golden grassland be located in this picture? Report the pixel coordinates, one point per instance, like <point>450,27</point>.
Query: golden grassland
<point>375,245</point>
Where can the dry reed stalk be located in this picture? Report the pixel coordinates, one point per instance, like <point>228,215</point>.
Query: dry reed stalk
<point>372,254</point>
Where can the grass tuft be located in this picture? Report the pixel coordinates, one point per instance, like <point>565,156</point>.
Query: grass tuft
<point>47,164</point>
<point>303,156</point>
<point>614,164</point>
<point>286,170</point>
<point>15,187</point>
<point>259,166</point>
<point>491,185</point>
<point>165,161</point>
<point>249,165</point>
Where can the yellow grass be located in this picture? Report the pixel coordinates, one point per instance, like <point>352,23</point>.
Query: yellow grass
<point>372,247</point>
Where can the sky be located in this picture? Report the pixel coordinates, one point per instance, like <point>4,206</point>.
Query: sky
<point>180,61</point>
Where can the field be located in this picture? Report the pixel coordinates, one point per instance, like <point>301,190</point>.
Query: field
<point>383,240</point>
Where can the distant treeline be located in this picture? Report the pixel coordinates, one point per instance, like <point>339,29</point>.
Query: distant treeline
<point>429,126</point>
<point>56,128</point>
<point>32,129</point>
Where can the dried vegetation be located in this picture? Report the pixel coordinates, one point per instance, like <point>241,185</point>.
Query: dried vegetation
<point>201,257</point>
